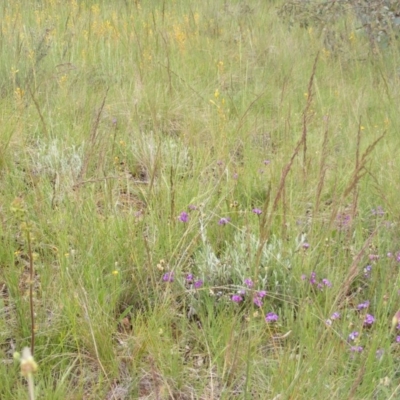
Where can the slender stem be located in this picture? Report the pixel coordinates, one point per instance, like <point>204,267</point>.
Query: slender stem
<point>31,387</point>
<point>31,273</point>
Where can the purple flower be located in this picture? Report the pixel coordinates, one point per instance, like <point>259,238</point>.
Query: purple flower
<point>184,217</point>
<point>224,221</point>
<point>367,271</point>
<point>257,211</point>
<point>397,339</point>
<point>271,317</point>
<point>313,281</point>
<point>373,257</point>
<point>398,256</point>
<point>326,282</point>
<point>356,349</point>
<point>198,284</point>
<point>189,277</point>
<point>249,283</point>
<point>257,301</point>
<point>363,305</point>
<point>335,315</point>
<point>369,320</point>
<point>192,207</point>
<point>236,298</point>
<point>343,220</point>
<point>306,245</point>
<point>168,277</point>
<point>353,336</point>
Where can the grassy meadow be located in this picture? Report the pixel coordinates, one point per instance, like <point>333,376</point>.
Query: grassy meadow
<point>198,200</point>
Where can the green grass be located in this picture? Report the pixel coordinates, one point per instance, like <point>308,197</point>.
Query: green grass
<point>119,116</point>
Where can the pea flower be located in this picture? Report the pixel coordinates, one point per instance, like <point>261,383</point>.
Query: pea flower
<point>168,277</point>
<point>236,298</point>
<point>184,217</point>
<point>198,284</point>
<point>363,306</point>
<point>271,317</point>
<point>369,320</point>
<point>224,221</point>
<point>249,283</point>
<point>353,336</point>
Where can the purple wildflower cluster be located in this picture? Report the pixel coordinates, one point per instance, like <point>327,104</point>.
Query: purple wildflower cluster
<point>170,277</point>
<point>197,283</point>
<point>368,320</point>
<point>343,221</point>
<point>257,295</point>
<point>353,339</point>
<point>367,271</point>
<point>323,283</point>
<point>249,283</point>
<point>184,216</point>
<point>271,317</point>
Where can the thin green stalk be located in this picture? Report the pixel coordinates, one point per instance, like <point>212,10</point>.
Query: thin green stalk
<point>31,281</point>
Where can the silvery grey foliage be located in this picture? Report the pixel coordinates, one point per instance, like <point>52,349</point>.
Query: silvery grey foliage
<point>378,19</point>
<point>235,264</point>
<point>58,162</point>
